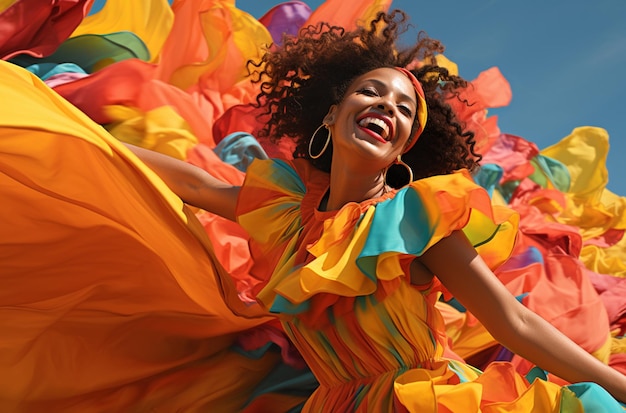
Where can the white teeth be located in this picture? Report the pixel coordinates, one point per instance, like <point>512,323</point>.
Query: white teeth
<point>378,122</point>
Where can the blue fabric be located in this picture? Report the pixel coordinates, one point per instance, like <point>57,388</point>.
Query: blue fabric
<point>239,150</point>
<point>555,171</point>
<point>400,225</point>
<point>595,399</point>
<point>489,176</point>
<point>91,52</point>
<point>47,70</point>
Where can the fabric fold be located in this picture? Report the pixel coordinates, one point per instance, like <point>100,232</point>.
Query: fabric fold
<point>359,248</point>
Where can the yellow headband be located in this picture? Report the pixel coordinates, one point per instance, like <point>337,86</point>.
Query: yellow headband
<point>422,110</point>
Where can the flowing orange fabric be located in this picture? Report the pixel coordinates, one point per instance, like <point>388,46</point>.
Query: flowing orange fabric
<point>118,276</point>
<point>132,83</point>
<point>557,195</point>
<point>115,84</point>
<point>489,90</point>
<point>118,297</point>
<point>347,14</point>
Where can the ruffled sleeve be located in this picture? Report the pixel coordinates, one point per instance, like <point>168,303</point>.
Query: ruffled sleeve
<point>362,248</point>
<point>269,202</point>
<point>269,209</point>
<point>428,210</point>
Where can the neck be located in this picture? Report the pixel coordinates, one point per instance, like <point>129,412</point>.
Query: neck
<point>353,186</point>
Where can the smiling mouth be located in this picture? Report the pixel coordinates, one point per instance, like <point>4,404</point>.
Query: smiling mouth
<point>379,127</point>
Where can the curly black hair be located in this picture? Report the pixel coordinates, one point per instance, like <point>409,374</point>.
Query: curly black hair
<point>301,79</point>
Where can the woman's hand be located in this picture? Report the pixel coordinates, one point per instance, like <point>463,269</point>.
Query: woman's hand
<point>463,272</point>
<point>193,185</point>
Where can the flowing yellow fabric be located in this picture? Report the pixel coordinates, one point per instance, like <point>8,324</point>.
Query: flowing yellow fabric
<point>467,335</point>
<point>103,266</point>
<point>590,206</point>
<point>121,15</point>
<point>113,298</point>
<point>5,4</point>
<point>161,130</point>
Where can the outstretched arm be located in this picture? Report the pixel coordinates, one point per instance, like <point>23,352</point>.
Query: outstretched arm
<point>193,185</point>
<point>463,272</point>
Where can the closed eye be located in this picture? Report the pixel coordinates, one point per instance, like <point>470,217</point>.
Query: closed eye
<point>374,93</point>
<point>406,110</point>
<point>368,92</point>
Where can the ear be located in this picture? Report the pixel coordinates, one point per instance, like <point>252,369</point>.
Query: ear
<point>329,119</point>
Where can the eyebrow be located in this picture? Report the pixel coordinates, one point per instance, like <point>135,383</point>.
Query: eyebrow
<point>383,84</point>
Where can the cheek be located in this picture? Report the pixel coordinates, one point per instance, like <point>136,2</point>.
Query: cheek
<point>406,130</point>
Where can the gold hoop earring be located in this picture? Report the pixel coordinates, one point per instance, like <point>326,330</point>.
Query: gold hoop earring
<point>323,125</point>
<point>400,162</point>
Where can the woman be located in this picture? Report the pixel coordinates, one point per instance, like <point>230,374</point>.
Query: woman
<point>347,259</point>
<point>346,247</point>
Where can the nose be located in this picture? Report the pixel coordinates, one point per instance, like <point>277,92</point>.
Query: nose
<point>385,108</point>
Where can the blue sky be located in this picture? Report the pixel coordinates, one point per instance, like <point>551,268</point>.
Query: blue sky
<point>564,59</point>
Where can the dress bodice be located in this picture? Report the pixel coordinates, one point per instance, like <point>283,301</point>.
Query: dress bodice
<point>340,279</point>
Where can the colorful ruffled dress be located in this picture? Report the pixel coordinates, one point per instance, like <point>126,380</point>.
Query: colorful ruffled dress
<point>339,281</point>
<point>117,297</point>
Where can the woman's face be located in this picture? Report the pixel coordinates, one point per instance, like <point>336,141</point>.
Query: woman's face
<point>375,117</point>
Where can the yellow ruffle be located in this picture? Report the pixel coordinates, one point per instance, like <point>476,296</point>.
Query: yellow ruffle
<point>360,247</point>
<point>591,207</point>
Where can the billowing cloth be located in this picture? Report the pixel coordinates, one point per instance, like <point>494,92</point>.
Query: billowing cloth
<point>38,27</point>
<point>149,20</point>
<point>118,297</point>
<point>349,262</point>
<point>285,19</point>
<point>343,291</point>
<point>571,237</point>
<point>113,298</point>
<point>90,52</point>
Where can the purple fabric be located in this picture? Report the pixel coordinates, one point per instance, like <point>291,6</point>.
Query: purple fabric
<point>285,18</point>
